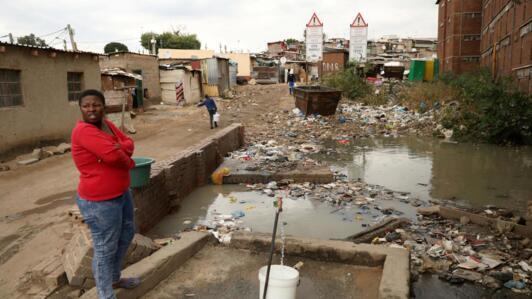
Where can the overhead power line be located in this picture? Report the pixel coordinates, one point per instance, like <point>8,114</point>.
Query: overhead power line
<point>48,34</point>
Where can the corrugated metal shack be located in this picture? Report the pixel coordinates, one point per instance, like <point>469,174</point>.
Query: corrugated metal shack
<point>233,71</point>
<point>215,76</point>
<point>114,81</point>
<point>117,86</point>
<point>180,83</point>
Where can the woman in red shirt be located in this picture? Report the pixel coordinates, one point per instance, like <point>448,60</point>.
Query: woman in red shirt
<point>102,154</point>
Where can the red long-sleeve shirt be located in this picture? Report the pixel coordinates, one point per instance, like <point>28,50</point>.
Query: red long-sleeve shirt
<point>103,160</point>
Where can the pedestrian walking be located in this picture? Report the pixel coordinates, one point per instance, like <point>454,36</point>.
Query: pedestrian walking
<point>209,103</point>
<point>102,155</point>
<point>291,81</point>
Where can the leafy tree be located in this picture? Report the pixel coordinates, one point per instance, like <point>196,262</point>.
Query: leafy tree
<point>115,47</point>
<point>291,41</point>
<point>31,40</point>
<point>171,40</point>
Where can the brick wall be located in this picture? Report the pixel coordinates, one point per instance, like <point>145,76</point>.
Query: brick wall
<point>505,34</point>
<point>458,22</point>
<point>175,178</point>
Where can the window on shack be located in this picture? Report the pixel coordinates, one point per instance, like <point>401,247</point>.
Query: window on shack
<point>75,85</point>
<point>10,89</point>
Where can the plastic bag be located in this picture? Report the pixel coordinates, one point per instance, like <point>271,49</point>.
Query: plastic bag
<point>218,176</point>
<point>216,117</point>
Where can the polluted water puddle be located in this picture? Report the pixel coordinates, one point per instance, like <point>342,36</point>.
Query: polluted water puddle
<point>228,208</point>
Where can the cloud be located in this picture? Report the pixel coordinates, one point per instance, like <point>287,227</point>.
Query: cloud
<point>238,24</point>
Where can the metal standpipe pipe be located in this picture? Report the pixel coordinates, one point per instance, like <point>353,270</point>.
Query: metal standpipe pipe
<point>279,210</point>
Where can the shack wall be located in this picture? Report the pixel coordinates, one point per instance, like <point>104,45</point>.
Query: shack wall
<point>131,62</point>
<point>46,114</point>
<point>191,85</point>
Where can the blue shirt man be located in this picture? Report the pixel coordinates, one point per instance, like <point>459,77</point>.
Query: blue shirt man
<point>209,103</point>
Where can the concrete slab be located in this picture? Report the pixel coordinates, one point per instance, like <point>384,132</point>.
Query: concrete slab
<point>332,269</point>
<point>244,172</point>
<point>159,265</point>
<point>395,263</point>
<point>223,272</point>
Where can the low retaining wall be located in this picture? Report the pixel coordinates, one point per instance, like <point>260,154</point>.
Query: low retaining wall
<point>240,175</point>
<point>175,178</point>
<point>395,262</point>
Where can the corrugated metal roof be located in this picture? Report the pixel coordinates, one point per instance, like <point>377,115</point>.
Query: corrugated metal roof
<point>177,66</point>
<point>120,72</point>
<point>47,48</point>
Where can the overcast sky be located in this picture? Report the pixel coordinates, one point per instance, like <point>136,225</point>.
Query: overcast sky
<point>239,24</point>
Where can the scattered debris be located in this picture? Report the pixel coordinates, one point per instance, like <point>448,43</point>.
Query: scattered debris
<point>28,161</point>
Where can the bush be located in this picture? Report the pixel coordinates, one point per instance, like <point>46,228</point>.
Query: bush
<point>349,82</point>
<point>418,94</point>
<point>490,110</point>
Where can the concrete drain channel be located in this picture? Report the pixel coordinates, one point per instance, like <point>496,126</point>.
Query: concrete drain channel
<point>360,270</point>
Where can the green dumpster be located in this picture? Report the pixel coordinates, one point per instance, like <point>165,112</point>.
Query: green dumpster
<point>140,174</point>
<point>417,70</point>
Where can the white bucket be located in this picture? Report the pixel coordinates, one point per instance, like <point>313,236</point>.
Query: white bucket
<point>282,284</point>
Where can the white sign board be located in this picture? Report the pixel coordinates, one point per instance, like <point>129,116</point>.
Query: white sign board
<point>358,44</point>
<point>314,43</point>
<point>358,39</point>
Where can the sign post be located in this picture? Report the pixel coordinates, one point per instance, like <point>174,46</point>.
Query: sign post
<point>314,39</point>
<point>358,39</point>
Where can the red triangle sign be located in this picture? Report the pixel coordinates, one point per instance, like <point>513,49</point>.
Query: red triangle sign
<point>314,21</point>
<point>359,21</point>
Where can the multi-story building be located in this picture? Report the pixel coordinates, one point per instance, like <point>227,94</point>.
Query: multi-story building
<point>506,39</point>
<point>459,26</point>
<point>495,34</point>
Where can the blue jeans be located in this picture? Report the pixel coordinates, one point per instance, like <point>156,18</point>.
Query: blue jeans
<point>112,228</point>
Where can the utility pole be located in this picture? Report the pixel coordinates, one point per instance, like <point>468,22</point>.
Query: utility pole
<point>71,34</point>
<point>64,44</point>
<point>11,38</point>
<point>153,42</point>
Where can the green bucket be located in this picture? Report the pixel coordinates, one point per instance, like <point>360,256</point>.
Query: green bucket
<point>140,174</point>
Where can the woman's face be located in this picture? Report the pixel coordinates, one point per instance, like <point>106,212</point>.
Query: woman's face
<point>92,109</point>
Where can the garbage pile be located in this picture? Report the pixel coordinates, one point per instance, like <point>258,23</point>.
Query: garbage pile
<point>353,201</point>
<point>463,252</point>
<point>351,121</point>
<point>222,226</point>
<point>389,120</point>
<point>270,155</point>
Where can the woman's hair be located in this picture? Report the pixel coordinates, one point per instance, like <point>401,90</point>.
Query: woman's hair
<point>91,92</point>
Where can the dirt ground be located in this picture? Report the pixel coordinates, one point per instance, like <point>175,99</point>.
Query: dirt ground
<point>34,199</point>
<point>219,272</point>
